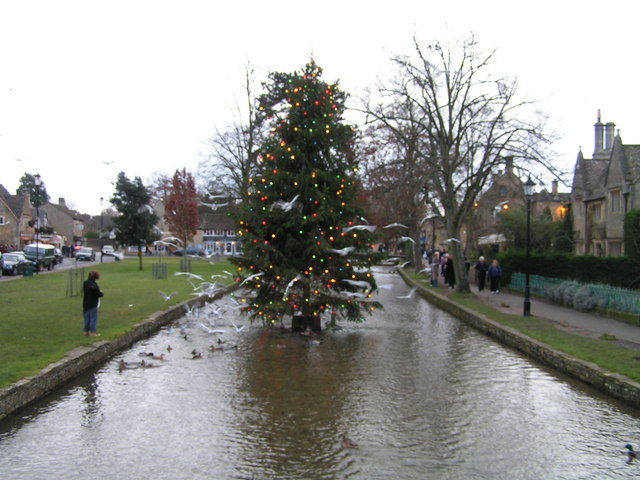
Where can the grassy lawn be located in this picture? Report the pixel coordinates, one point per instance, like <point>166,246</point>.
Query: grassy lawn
<point>39,323</point>
<point>602,352</point>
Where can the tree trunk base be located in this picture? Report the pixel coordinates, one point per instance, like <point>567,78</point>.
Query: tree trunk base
<point>300,323</point>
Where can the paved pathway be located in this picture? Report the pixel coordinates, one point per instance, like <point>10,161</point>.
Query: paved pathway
<point>573,321</point>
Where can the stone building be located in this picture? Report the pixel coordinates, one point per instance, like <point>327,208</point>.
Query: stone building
<point>605,188</point>
<point>67,223</point>
<point>15,218</point>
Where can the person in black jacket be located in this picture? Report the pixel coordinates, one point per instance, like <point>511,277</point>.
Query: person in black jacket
<point>90,302</point>
<point>481,273</point>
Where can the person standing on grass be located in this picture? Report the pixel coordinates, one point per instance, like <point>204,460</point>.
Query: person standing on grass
<point>90,303</point>
<point>495,272</point>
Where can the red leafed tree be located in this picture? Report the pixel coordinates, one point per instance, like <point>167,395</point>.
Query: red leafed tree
<point>181,206</point>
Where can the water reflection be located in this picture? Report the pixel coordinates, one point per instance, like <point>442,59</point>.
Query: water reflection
<point>423,395</point>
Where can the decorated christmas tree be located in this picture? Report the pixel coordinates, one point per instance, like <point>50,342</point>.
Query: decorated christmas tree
<point>307,251</point>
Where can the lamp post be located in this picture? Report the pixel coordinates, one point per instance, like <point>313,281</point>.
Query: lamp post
<point>101,239</point>
<point>37,181</point>
<point>528,193</point>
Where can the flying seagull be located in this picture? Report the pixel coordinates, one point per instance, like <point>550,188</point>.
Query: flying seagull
<point>449,240</point>
<point>343,251</point>
<point>250,277</point>
<point>145,208</point>
<point>406,239</point>
<point>409,295</point>
<point>285,206</point>
<point>190,275</point>
<point>391,225</point>
<point>167,297</point>
<point>358,283</point>
<point>214,206</point>
<point>371,228</point>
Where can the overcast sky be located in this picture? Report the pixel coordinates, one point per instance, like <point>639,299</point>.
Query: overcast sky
<point>89,89</point>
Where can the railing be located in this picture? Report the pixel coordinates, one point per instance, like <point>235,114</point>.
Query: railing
<point>587,296</point>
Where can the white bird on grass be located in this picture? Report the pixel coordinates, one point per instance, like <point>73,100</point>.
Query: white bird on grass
<point>392,225</point>
<point>285,206</point>
<point>167,297</point>
<point>343,251</point>
<point>370,228</point>
<point>409,295</point>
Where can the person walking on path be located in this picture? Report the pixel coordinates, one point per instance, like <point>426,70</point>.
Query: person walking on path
<point>90,303</point>
<point>495,272</point>
<point>481,273</point>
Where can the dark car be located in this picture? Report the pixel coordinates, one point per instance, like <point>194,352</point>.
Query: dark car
<point>189,251</point>
<point>42,255</point>
<point>85,253</point>
<point>13,263</point>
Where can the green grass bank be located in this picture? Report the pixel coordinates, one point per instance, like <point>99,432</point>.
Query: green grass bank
<point>39,323</point>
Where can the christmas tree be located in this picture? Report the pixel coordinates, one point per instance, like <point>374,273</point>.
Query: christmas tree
<point>306,248</point>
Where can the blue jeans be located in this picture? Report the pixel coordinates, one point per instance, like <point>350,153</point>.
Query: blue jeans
<point>90,319</point>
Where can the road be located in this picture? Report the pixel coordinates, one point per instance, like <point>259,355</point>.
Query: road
<point>65,265</point>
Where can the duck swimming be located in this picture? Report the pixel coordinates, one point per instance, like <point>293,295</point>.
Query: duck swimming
<point>630,453</point>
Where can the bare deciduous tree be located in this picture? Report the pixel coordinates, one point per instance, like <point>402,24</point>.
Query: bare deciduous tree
<point>233,155</point>
<point>470,122</point>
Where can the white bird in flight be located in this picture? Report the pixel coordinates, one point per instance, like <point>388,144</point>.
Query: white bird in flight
<point>190,275</point>
<point>214,206</point>
<point>449,240</point>
<point>343,251</point>
<point>391,225</point>
<point>409,295</point>
<point>371,228</point>
<point>406,239</point>
<point>250,277</point>
<point>285,206</point>
<point>167,297</point>
<point>359,283</point>
<point>211,330</point>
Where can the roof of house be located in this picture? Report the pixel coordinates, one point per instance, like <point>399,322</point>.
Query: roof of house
<point>14,202</point>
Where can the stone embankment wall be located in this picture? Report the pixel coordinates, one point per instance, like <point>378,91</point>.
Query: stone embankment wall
<point>617,385</point>
<point>85,357</point>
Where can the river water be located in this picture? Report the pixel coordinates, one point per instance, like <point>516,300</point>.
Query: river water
<point>423,395</point>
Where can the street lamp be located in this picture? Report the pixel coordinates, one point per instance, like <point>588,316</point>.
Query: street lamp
<point>37,181</point>
<point>528,193</point>
<point>101,239</point>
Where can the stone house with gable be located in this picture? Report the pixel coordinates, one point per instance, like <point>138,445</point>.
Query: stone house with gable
<point>15,216</point>
<point>605,188</point>
<point>67,223</point>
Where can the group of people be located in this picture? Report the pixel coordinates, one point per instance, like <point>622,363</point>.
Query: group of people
<point>493,272</point>
<point>441,264</point>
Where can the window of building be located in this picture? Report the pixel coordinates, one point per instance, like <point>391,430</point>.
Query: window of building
<point>596,212</point>
<point>502,191</point>
<point>615,249</point>
<point>1,220</point>
<point>614,201</point>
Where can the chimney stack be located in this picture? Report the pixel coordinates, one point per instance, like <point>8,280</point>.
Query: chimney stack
<point>609,134</point>
<point>554,187</point>
<point>62,202</point>
<point>599,134</point>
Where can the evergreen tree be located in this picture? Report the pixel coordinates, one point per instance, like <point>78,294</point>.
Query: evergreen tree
<point>305,247</point>
<point>134,225</point>
<point>632,234</point>
<point>181,206</point>
<point>38,196</point>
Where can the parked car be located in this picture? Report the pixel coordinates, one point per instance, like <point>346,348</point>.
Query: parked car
<point>108,250</point>
<point>42,255</point>
<point>14,263</point>
<point>189,251</point>
<point>85,253</point>
<point>59,257</point>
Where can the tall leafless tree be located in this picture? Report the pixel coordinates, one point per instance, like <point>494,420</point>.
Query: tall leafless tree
<point>471,122</point>
<point>231,162</point>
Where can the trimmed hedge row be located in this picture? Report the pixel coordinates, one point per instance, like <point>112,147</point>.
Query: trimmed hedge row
<point>616,271</point>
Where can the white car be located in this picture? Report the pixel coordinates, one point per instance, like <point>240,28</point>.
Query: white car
<point>107,250</point>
